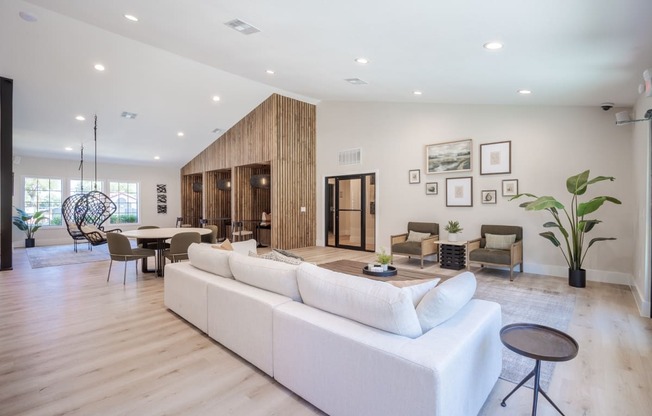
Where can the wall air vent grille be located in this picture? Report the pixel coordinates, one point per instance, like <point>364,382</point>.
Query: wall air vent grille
<point>349,157</point>
<point>242,27</point>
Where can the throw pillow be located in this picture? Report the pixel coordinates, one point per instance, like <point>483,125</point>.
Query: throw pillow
<point>499,241</point>
<point>226,245</point>
<point>288,253</point>
<point>272,255</point>
<point>417,236</point>
<point>416,291</point>
<point>443,301</point>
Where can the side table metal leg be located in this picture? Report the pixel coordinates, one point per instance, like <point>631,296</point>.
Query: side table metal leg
<point>537,370</point>
<point>551,402</point>
<point>518,386</point>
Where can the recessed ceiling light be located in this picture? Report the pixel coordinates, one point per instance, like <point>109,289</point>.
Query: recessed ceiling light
<point>156,157</point>
<point>493,45</point>
<point>131,17</point>
<point>216,98</point>
<point>417,92</point>
<point>68,148</point>
<point>80,118</point>
<point>99,67</point>
<point>524,92</point>
<point>28,17</point>
<point>362,60</point>
<point>242,27</point>
<point>270,71</point>
<point>180,134</point>
<point>216,130</point>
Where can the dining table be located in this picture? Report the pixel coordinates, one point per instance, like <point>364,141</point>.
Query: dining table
<point>160,235</point>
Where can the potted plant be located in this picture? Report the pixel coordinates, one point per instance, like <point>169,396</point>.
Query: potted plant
<point>453,228</point>
<point>576,225</point>
<point>384,259</point>
<point>29,223</point>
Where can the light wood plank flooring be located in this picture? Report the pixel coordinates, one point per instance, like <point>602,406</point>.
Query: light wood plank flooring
<point>71,343</point>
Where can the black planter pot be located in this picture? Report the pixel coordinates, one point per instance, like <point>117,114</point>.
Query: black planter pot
<point>30,242</point>
<point>577,277</point>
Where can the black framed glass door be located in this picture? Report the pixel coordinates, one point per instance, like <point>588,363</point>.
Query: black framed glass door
<point>350,212</point>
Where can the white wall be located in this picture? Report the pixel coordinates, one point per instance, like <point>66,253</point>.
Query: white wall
<point>67,169</point>
<point>641,164</point>
<point>549,144</point>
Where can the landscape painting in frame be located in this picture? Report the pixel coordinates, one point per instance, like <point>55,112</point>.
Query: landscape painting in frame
<point>449,157</point>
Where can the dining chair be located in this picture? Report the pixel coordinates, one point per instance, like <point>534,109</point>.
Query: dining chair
<point>179,246</point>
<point>239,233</point>
<point>212,237</point>
<point>120,250</point>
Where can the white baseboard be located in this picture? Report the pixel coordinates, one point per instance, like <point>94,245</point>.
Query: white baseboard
<point>642,304</point>
<point>604,276</point>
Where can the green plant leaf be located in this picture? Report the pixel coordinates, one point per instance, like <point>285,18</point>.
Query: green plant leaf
<point>544,202</point>
<point>600,178</point>
<point>587,225</point>
<point>577,184</point>
<point>586,208</point>
<point>595,240</point>
<point>523,194</point>
<point>550,236</point>
<point>551,224</point>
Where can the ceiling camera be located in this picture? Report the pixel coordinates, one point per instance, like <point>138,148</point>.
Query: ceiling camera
<point>607,106</point>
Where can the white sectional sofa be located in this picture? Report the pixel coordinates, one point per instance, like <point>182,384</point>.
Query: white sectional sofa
<point>348,345</point>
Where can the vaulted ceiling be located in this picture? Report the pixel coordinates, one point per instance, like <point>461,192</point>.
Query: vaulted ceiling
<point>168,66</point>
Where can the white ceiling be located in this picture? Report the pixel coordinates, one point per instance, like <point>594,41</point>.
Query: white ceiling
<point>167,66</point>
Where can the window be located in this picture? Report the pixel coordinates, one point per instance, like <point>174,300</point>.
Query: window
<point>125,197</point>
<point>44,194</point>
<point>76,186</point>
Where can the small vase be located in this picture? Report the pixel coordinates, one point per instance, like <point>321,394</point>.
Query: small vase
<point>452,236</point>
<point>30,242</point>
<point>385,267</point>
<point>577,277</point>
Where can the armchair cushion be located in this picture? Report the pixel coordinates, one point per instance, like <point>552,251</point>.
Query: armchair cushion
<point>408,247</point>
<point>499,241</point>
<point>415,236</point>
<point>490,256</point>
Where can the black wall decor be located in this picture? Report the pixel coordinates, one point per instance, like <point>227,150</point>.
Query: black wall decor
<point>161,199</point>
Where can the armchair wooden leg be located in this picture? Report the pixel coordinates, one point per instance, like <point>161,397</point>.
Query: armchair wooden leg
<point>511,273</point>
<point>422,262</point>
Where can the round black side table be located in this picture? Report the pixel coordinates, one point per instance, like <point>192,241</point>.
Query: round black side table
<point>541,343</point>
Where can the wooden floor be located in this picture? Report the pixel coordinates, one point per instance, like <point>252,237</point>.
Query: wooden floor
<point>71,343</point>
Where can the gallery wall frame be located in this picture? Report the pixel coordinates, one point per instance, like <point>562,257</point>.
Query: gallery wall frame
<point>488,196</point>
<point>449,157</point>
<point>432,188</point>
<point>496,158</point>
<point>459,192</point>
<point>414,175</point>
<point>510,187</point>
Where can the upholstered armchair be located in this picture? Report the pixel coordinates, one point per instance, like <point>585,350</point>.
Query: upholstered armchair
<point>498,245</point>
<point>419,241</point>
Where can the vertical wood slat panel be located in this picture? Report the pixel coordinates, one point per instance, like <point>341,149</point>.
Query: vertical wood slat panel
<point>278,137</point>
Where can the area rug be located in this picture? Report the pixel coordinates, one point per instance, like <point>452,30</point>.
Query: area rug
<point>48,256</point>
<point>526,304</point>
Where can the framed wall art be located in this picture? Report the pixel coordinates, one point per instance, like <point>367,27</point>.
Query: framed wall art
<point>510,187</point>
<point>459,192</point>
<point>415,175</point>
<point>496,158</point>
<point>432,188</point>
<point>449,157</point>
<point>488,197</point>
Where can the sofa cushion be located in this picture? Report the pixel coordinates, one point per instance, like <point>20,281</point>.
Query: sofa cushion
<point>367,301</point>
<point>417,291</point>
<point>206,258</point>
<point>244,247</point>
<point>265,274</point>
<point>484,255</point>
<point>499,242</point>
<point>415,236</point>
<point>442,302</point>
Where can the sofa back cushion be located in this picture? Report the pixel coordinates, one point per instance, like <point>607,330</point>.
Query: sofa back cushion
<point>373,303</point>
<point>266,274</point>
<point>244,247</point>
<point>211,260</point>
<point>443,301</point>
<point>431,228</point>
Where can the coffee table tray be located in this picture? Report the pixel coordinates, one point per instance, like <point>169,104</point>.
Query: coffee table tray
<point>391,271</point>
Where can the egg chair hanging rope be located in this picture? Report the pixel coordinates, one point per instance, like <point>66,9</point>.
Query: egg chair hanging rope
<point>85,213</point>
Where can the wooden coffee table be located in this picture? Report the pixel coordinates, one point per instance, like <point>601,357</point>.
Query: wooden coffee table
<point>355,268</point>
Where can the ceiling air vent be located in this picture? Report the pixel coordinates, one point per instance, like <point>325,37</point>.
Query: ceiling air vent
<point>242,27</point>
<point>129,115</point>
<point>356,81</point>
<point>349,157</point>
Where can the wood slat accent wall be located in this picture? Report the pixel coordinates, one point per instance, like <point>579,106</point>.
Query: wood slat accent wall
<point>277,137</point>
<point>218,202</point>
<point>191,202</point>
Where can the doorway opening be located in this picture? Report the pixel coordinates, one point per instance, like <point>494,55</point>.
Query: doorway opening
<point>351,212</point>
